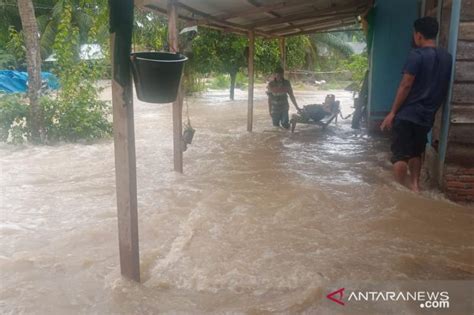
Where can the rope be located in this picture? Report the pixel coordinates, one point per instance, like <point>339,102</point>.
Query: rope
<point>344,118</point>
<point>187,110</point>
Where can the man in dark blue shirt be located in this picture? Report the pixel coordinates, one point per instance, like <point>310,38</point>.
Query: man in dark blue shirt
<point>423,89</point>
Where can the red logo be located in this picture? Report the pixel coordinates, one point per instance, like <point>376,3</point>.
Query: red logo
<point>338,300</point>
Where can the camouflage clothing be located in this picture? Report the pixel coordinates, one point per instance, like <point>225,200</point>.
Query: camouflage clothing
<point>277,91</point>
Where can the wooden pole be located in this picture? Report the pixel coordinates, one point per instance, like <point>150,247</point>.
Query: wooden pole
<point>251,80</point>
<point>283,52</point>
<point>178,104</point>
<point>125,168</point>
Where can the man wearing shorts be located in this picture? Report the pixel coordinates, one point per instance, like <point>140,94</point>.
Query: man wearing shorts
<point>424,86</point>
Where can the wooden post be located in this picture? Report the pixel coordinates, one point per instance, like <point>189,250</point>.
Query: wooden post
<point>125,169</point>
<point>178,104</point>
<point>283,52</point>
<point>251,80</point>
<point>446,118</point>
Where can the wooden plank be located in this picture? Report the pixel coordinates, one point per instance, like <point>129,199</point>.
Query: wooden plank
<point>463,93</point>
<point>465,50</point>
<point>462,114</point>
<point>460,154</point>
<point>354,8</point>
<point>266,8</point>
<point>328,26</point>
<point>466,31</point>
<point>464,71</point>
<point>191,21</point>
<point>178,104</point>
<point>125,176</point>
<point>251,80</point>
<point>312,23</point>
<point>467,10</point>
<point>461,133</point>
<point>209,18</point>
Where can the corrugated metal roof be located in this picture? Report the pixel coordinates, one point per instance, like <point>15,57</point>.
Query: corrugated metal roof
<point>270,18</point>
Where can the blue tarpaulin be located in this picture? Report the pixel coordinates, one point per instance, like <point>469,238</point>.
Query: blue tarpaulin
<point>16,81</point>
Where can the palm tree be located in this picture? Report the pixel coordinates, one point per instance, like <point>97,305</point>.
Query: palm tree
<point>33,59</point>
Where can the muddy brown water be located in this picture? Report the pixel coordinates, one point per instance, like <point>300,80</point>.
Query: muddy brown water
<point>261,222</point>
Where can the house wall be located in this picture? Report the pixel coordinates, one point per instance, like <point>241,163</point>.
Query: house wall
<point>393,28</point>
<point>458,179</point>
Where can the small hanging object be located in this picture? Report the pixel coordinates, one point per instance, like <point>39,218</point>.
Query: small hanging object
<point>188,132</point>
<point>188,135</point>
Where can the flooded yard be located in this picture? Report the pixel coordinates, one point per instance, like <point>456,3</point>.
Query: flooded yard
<point>260,222</point>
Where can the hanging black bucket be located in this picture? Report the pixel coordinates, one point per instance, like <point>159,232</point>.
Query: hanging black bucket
<point>157,75</point>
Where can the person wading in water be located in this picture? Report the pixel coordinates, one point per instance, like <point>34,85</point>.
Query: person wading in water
<point>278,90</point>
<point>423,89</point>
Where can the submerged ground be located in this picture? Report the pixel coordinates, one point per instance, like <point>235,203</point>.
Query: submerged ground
<point>260,222</point>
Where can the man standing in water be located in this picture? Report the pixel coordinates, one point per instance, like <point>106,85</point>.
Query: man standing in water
<point>278,90</point>
<point>423,89</point>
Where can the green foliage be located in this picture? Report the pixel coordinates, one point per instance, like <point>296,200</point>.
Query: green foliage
<point>330,50</point>
<point>220,52</point>
<point>297,47</point>
<point>149,32</point>
<point>16,47</point>
<point>222,81</point>
<point>13,113</point>
<point>7,59</point>
<point>77,119</point>
<point>267,55</point>
<point>62,121</point>
<point>357,65</point>
<point>76,113</point>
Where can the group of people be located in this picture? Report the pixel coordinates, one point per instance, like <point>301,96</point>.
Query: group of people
<point>422,90</point>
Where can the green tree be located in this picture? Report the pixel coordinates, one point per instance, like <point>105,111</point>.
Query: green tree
<point>150,31</point>
<point>215,51</point>
<point>329,51</point>
<point>33,58</point>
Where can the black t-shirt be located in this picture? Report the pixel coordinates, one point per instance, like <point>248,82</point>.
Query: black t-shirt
<point>432,70</point>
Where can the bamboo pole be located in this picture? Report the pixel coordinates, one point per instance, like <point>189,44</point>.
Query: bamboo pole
<point>251,80</point>
<point>178,104</point>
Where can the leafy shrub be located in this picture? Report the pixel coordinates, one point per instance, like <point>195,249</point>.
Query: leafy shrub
<point>72,120</point>
<point>222,81</point>
<point>13,114</point>
<point>75,119</point>
<point>357,65</point>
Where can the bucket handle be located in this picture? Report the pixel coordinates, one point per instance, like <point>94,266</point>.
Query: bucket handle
<point>135,70</point>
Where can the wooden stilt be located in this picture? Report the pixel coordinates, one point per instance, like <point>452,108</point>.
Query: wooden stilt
<point>251,80</point>
<point>125,175</point>
<point>178,104</point>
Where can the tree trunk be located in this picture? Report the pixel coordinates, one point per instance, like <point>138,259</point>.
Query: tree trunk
<point>233,76</point>
<point>33,59</point>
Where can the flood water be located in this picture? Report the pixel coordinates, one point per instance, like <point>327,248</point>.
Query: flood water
<point>260,222</point>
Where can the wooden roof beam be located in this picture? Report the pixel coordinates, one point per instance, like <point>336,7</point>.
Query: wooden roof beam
<point>267,8</point>
<point>321,28</point>
<point>217,21</point>
<point>312,14</point>
<point>269,13</point>
<point>315,22</point>
<point>207,22</point>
